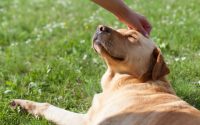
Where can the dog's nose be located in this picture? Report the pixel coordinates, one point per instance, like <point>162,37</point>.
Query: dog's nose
<point>102,28</point>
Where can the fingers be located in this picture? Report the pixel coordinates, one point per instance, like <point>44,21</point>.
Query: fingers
<point>144,32</point>
<point>142,29</point>
<point>138,22</point>
<point>146,25</point>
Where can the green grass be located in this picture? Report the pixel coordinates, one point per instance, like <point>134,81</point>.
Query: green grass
<point>46,54</point>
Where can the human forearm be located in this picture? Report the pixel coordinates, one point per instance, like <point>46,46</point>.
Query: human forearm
<point>132,19</point>
<point>117,7</point>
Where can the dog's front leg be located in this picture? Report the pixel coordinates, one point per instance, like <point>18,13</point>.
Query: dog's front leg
<point>50,112</point>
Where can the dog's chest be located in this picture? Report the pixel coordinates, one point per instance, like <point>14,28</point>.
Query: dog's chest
<point>107,105</point>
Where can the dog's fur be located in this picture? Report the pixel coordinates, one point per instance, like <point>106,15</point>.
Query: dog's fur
<point>135,91</point>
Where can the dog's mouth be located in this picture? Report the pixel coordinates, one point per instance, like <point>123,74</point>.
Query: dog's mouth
<point>102,43</point>
<point>103,50</point>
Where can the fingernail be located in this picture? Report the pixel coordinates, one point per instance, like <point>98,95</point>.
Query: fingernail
<point>146,35</point>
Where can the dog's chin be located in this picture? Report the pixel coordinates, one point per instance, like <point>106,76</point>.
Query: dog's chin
<point>99,48</point>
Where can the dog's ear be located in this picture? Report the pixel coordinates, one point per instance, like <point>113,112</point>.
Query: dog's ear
<point>132,36</point>
<point>160,68</point>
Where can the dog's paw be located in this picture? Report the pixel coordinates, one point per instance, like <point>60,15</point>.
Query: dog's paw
<point>24,104</point>
<point>34,108</point>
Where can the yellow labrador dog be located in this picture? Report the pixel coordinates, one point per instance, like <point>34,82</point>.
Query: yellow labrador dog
<point>135,91</point>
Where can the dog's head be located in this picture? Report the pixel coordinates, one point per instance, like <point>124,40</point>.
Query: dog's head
<point>128,52</point>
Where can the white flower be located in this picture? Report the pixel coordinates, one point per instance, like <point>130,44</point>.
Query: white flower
<point>7,91</point>
<point>183,58</point>
<point>2,10</point>
<point>168,7</point>
<point>180,59</point>
<point>38,37</point>
<point>14,44</point>
<point>28,41</point>
<point>198,82</point>
<point>82,41</point>
<point>95,60</point>
<point>40,91</point>
<point>60,97</point>
<point>163,45</point>
<point>85,57</point>
<point>32,85</point>
<point>177,59</point>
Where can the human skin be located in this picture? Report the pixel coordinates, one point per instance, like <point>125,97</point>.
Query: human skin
<point>132,19</point>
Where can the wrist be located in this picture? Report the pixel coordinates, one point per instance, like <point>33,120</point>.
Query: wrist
<point>123,13</point>
<point>126,13</point>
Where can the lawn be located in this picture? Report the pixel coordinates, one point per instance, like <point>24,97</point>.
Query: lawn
<point>46,53</point>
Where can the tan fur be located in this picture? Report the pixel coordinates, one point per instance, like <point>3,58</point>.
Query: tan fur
<point>135,90</point>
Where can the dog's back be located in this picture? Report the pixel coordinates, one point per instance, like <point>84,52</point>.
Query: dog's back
<point>135,91</point>
<point>142,104</point>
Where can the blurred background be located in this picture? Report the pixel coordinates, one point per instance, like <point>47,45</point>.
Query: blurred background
<point>46,53</point>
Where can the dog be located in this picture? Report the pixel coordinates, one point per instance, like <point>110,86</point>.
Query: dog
<point>135,88</point>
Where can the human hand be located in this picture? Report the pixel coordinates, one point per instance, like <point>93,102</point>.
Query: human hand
<point>138,22</point>
<point>132,19</point>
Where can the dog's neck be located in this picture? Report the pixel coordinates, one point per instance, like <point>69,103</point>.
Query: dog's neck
<point>112,81</point>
